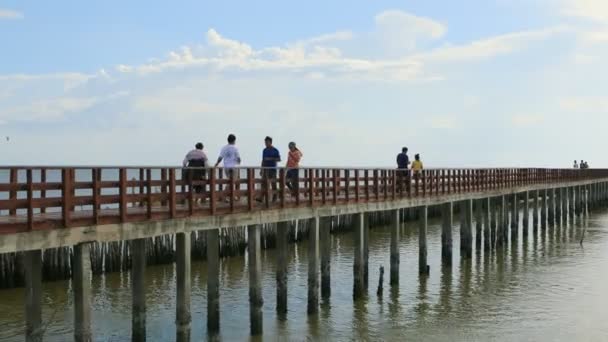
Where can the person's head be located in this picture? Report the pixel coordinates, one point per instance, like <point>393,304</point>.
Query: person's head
<point>582,161</point>
<point>575,162</point>
<point>231,139</point>
<point>268,141</point>
<point>417,156</point>
<point>404,150</point>
<point>292,146</point>
<point>199,146</point>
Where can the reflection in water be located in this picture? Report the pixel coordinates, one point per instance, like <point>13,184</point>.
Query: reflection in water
<point>540,287</point>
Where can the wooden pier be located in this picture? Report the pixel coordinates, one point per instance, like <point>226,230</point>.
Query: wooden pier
<point>45,208</point>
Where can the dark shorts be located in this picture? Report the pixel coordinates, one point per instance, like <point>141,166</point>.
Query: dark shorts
<point>293,173</point>
<point>269,173</point>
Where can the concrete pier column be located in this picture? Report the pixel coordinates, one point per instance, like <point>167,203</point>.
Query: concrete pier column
<point>486,207</point>
<point>325,247</point>
<point>466,230</point>
<point>423,267</point>
<point>359,264</point>
<point>395,228</point>
<point>501,229</point>
<point>526,214</point>
<point>213,279</point>
<point>551,207</point>
<point>33,295</point>
<point>495,211</point>
<point>282,233</point>
<point>579,200</point>
<point>366,253</point>
<point>571,202</point>
<point>313,267</point>
<point>514,217</point>
<point>543,210</point>
<point>138,289</point>
<point>536,210</point>
<point>256,300</point>
<point>447,218</point>
<point>564,205</point>
<point>558,206</point>
<point>478,224</point>
<point>81,279</point>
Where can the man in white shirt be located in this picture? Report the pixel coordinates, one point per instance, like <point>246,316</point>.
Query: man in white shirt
<point>231,158</point>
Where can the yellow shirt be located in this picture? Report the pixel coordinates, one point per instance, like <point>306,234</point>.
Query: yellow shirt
<point>417,165</point>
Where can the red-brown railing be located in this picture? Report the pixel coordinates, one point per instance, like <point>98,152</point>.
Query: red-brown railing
<point>35,198</point>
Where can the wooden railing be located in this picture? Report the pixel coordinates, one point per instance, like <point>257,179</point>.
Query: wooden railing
<point>34,198</point>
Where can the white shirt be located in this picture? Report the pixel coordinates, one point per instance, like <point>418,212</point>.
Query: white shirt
<point>230,156</point>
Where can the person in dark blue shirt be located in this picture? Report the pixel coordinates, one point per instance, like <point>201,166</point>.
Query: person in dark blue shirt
<point>403,161</point>
<point>270,159</point>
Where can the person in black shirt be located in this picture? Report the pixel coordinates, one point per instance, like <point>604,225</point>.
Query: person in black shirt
<point>403,161</point>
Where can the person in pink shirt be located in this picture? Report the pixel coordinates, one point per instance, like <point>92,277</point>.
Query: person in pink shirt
<point>293,163</point>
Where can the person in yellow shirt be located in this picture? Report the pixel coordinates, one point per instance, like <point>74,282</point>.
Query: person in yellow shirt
<point>417,164</point>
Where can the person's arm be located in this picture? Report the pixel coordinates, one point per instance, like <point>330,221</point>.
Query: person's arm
<point>185,162</point>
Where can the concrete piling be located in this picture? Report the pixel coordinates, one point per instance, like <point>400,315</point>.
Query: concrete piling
<point>447,217</point>
<point>395,229</point>
<point>536,210</point>
<point>558,206</point>
<point>213,280</point>
<point>81,279</point>
<point>358,269</point>
<point>501,229</point>
<point>313,267</point>
<point>478,224</point>
<point>33,295</point>
<point>423,267</point>
<point>551,207</point>
<point>256,300</point>
<point>514,217</point>
<point>325,248</point>
<point>495,211</point>
<point>138,289</point>
<point>281,276</point>
<point>486,206</point>
<point>466,238</point>
<point>526,214</point>
<point>543,210</point>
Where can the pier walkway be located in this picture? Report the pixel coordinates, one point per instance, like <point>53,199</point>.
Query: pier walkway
<point>52,207</point>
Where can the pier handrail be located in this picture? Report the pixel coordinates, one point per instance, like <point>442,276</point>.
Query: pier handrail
<point>50,197</point>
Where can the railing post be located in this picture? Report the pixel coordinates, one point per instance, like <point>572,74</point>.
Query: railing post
<point>323,186</point>
<point>335,186</point>
<point>346,184</point>
<point>282,187</point>
<point>12,196</point>
<point>149,193</point>
<point>357,185</point>
<point>96,178</point>
<point>311,188</point>
<point>250,189</point>
<point>141,186</point>
<point>423,175</point>
<point>42,191</point>
<point>123,194</point>
<point>66,194</point>
<point>30,198</point>
<point>163,188</point>
<point>172,194</point>
<point>376,185</point>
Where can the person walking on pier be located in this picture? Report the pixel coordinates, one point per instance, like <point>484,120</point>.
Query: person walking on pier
<point>196,159</point>
<point>229,154</point>
<point>293,163</point>
<point>270,158</point>
<point>403,162</point>
<point>575,164</point>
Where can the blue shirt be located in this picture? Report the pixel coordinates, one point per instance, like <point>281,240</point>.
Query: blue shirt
<point>270,152</point>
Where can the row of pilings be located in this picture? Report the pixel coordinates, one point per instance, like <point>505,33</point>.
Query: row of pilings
<point>107,257</point>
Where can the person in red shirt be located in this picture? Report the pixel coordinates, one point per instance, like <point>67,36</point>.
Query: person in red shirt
<point>293,163</point>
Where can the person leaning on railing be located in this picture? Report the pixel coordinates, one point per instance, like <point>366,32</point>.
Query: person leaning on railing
<point>231,157</point>
<point>417,165</point>
<point>270,158</point>
<point>403,162</point>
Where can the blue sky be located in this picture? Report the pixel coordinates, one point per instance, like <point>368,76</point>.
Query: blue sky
<point>469,83</point>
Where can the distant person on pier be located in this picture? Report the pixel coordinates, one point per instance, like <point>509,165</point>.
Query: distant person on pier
<point>582,164</point>
<point>417,165</point>
<point>196,159</point>
<point>229,154</point>
<point>575,165</point>
<point>270,158</point>
<point>403,162</point>
<point>293,163</point>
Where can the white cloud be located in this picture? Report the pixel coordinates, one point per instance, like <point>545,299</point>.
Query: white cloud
<point>401,30</point>
<point>527,120</point>
<point>10,14</point>
<point>442,122</point>
<point>584,104</point>
<point>594,10</point>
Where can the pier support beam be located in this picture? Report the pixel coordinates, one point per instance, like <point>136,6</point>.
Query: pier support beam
<point>478,224</point>
<point>526,214</point>
<point>81,279</point>
<point>579,200</point>
<point>466,231</point>
<point>138,289</point>
<point>325,247</point>
<point>486,206</point>
<point>495,211</point>
<point>447,217</point>
<point>571,203</point>
<point>359,263</point>
<point>33,295</point>
<point>423,267</point>
<point>536,210</point>
<point>558,206</point>
<point>543,210</point>
<point>213,279</point>
<point>183,317</point>
<point>256,300</point>
<point>313,267</point>
<point>551,207</point>
<point>514,217</point>
<point>502,214</point>
<point>395,227</point>
<point>282,232</point>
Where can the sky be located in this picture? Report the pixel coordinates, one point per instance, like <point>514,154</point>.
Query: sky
<point>471,83</point>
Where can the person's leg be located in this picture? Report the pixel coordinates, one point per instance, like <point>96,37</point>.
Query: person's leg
<point>273,183</point>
